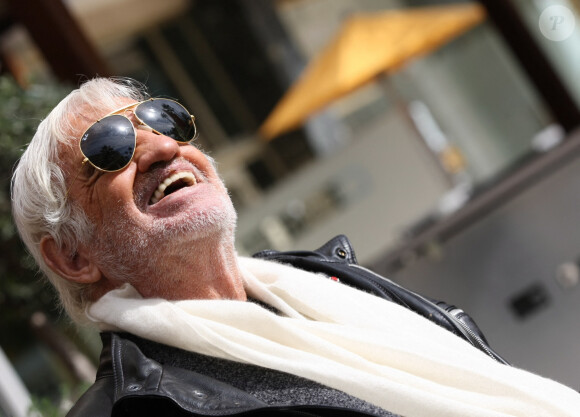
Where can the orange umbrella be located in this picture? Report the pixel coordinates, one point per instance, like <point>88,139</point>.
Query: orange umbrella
<point>368,45</point>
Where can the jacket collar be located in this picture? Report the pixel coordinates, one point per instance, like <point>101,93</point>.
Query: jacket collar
<point>136,376</point>
<point>336,250</point>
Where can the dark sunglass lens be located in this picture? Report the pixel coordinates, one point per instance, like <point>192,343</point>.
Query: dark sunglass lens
<point>168,118</point>
<point>109,143</point>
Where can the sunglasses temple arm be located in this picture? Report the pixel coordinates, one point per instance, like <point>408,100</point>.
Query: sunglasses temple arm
<point>75,178</point>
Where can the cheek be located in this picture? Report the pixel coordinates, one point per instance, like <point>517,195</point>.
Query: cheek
<point>200,160</point>
<point>119,185</point>
<point>113,195</point>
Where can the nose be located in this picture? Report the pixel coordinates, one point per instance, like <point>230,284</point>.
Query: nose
<point>152,148</point>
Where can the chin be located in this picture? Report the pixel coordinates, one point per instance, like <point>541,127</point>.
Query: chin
<point>195,224</point>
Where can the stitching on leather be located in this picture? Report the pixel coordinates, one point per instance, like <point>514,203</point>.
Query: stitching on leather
<point>117,370</point>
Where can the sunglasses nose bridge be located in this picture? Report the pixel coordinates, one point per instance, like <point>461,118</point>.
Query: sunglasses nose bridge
<point>146,128</point>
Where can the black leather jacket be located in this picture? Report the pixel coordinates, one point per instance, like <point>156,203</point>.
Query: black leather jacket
<point>129,383</point>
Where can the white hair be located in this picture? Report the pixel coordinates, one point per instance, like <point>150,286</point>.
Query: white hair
<point>39,185</point>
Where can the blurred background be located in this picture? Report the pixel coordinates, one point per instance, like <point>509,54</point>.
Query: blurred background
<point>440,136</point>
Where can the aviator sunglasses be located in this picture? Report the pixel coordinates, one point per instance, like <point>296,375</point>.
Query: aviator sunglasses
<point>109,143</point>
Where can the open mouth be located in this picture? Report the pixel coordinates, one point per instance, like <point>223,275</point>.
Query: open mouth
<point>171,184</point>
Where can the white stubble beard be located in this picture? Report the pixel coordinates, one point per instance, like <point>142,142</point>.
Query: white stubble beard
<point>132,252</point>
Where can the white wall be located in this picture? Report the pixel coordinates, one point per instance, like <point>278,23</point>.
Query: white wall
<point>519,245</point>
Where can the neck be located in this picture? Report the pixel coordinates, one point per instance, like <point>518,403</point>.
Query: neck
<point>209,272</point>
<point>207,269</point>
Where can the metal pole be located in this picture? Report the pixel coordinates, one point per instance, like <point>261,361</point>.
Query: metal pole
<point>14,397</point>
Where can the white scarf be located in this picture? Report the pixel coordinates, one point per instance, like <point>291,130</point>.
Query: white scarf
<point>343,338</point>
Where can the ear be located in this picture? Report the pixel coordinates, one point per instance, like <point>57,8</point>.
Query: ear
<point>77,267</point>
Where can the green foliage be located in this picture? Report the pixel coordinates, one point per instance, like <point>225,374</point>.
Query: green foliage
<point>21,291</point>
<point>46,407</point>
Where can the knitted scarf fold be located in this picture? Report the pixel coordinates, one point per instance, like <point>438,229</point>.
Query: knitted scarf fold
<point>343,338</point>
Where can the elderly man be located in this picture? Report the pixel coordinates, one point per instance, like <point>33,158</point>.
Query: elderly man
<point>135,229</point>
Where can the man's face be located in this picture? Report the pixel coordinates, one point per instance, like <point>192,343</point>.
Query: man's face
<point>152,215</point>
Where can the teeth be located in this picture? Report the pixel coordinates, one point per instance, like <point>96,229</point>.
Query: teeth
<point>160,192</point>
